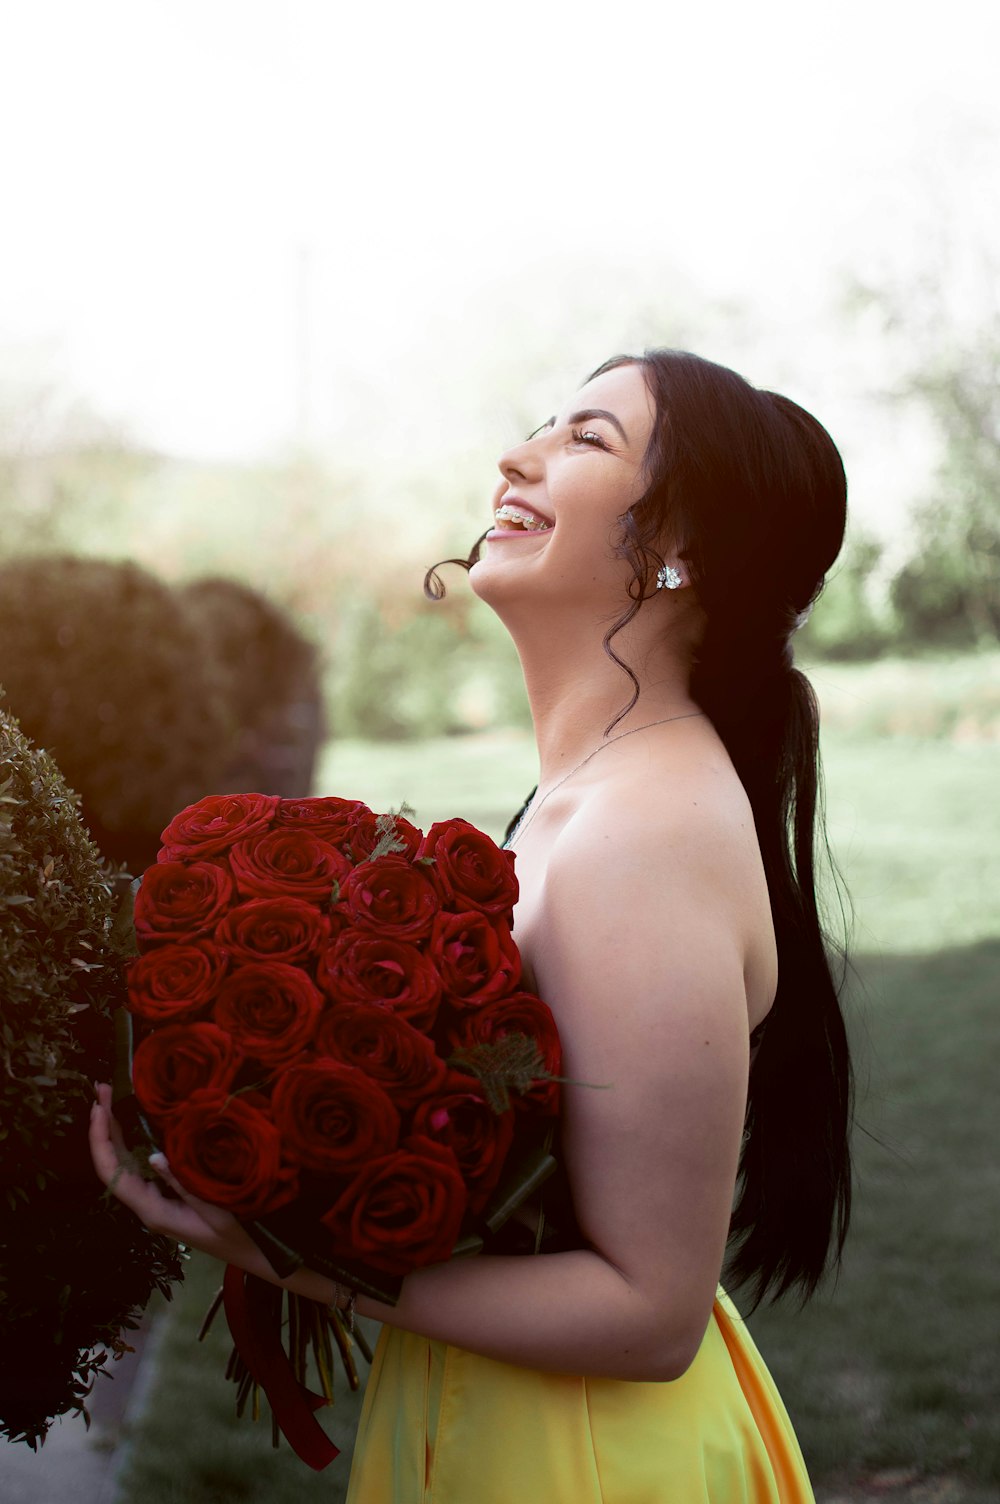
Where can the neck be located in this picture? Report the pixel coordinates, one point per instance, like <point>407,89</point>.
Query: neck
<point>575,693</point>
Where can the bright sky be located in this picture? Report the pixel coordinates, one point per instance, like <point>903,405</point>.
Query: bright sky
<point>231,223</point>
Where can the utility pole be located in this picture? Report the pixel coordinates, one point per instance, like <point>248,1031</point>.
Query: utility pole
<point>303,348</point>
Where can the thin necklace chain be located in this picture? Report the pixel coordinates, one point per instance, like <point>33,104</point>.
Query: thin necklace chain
<point>530,813</point>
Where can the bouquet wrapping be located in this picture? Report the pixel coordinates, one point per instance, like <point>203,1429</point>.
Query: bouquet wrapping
<point>330,1039</point>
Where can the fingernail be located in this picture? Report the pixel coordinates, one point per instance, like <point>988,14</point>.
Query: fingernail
<point>158,1161</point>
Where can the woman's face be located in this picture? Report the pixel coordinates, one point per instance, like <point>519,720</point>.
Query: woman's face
<point>579,472</point>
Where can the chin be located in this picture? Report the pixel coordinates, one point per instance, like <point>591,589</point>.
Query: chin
<point>495,585</point>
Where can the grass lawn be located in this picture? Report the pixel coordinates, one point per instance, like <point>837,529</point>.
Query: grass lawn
<point>892,1378</point>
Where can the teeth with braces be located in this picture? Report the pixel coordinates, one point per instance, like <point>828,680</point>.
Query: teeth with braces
<point>531,524</point>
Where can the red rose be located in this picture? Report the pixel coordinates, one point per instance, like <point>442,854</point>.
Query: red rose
<point>391,899</point>
<point>180,901</point>
<point>402,1211</point>
<point>273,929</point>
<point>175,981</point>
<point>386,1048</point>
<point>470,871</point>
<point>333,1117</point>
<point>227,1151</point>
<point>270,1009</point>
<point>461,1118</point>
<point>358,969</point>
<point>333,819</point>
<point>288,863</point>
<point>519,1013</point>
<point>366,835</point>
<point>214,824</point>
<point>173,1062</point>
<point>476,957</point>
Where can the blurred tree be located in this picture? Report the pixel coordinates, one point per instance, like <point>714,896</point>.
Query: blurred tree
<point>948,592</point>
<point>67,475</point>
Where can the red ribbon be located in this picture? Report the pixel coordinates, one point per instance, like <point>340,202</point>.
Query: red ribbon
<point>254,1316</point>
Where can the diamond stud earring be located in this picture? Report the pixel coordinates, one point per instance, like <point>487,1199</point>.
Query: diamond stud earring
<point>668,577</point>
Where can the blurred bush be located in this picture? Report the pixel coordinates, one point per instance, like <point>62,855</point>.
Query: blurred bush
<point>149,696</point>
<point>844,623</point>
<point>438,670</point>
<point>104,666</point>
<point>76,1268</point>
<point>948,593</point>
<point>275,682</point>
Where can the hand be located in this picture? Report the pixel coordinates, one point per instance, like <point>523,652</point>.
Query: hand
<point>188,1220</point>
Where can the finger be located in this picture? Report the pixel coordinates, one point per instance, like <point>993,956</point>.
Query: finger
<point>106,1132</point>
<point>103,1150</point>
<point>215,1216</point>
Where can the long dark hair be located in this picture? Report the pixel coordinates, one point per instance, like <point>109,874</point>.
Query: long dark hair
<point>751,489</point>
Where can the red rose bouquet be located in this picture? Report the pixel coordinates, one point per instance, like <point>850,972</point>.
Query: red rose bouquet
<point>329,1037</point>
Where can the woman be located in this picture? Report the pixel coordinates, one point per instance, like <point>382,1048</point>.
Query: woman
<point>667,910</point>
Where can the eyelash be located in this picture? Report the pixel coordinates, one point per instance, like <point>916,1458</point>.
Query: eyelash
<point>579,436</point>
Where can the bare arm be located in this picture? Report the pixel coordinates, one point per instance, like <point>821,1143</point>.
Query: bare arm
<point>642,966</point>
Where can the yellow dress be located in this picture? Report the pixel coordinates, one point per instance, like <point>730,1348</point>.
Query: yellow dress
<point>444,1426</point>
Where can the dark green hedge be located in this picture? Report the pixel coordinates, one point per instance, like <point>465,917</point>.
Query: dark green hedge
<point>76,1268</point>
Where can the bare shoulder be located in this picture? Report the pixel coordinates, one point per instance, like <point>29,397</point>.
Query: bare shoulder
<point>693,821</point>
<point>675,858</point>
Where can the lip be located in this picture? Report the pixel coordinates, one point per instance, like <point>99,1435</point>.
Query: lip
<point>513,532</point>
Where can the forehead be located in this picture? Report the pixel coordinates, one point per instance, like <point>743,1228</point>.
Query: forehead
<point>622,391</point>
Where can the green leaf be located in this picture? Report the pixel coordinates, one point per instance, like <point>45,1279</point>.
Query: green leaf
<point>388,841</point>
<point>512,1062</point>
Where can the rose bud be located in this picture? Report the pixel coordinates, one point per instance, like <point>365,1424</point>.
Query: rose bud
<point>270,1009</point>
<point>214,824</point>
<point>475,956</point>
<point>274,929</point>
<point>172,1063</point>
<point>333,1117</point>
<point>175,981</point>
<point>180,901</point>
<point>402,1211</point>
<point>285,863</point>
<point>228,1152</point>
<point>470,870</point>
<point>390,899</point>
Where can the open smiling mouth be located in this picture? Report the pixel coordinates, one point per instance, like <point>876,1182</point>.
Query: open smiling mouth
<point>511,522</point>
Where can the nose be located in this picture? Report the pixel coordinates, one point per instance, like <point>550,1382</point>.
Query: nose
<point>520,462</point>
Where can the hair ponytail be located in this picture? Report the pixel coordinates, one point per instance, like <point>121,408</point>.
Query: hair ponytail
<point>794,1192</point>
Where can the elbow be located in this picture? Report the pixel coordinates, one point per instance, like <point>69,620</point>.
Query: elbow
<point>655,1363</point>
<point>664,1366</point>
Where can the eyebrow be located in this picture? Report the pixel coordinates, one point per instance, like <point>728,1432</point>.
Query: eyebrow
<point>589,412</point>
